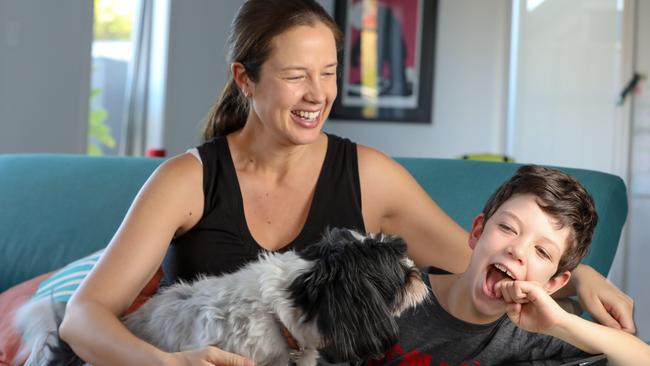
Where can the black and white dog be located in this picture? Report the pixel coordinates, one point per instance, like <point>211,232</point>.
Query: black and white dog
<point>342,293</point>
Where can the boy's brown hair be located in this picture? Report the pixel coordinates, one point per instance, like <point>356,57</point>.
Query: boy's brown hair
<point>559,195</point>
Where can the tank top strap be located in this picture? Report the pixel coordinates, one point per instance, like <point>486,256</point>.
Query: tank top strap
<point>337,199</point>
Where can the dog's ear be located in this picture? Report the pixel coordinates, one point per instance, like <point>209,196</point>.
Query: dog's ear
<point>350,291</point>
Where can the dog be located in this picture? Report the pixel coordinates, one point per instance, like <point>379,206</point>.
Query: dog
<point>342,294</point>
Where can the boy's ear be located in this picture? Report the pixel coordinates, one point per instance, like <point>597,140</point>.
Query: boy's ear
<point>477,229</point>
<point>557,282</point>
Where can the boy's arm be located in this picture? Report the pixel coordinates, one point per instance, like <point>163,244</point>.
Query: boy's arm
<point>532,309</point>
<point>621,348</point>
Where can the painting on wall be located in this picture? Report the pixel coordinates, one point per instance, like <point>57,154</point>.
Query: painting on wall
<point>386,64</point>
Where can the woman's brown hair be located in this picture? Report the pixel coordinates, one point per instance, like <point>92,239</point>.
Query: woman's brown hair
<point>249,43</point>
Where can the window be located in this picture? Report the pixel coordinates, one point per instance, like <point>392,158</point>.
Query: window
<point>112,53</point>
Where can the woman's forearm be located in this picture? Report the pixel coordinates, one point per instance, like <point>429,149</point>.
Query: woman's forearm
<point>99,338</point>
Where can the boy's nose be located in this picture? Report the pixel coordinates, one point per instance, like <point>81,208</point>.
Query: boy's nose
<point>517,252</point>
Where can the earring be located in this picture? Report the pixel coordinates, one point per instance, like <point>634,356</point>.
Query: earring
<point>245,92</point>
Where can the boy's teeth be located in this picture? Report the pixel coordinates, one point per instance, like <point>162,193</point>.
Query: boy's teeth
<point>503,269</point>
<point>307,115</point>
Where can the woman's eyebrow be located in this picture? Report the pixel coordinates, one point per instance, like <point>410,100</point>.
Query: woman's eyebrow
<point>303,68</point>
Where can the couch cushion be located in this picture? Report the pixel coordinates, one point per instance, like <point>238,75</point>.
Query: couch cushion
<point>65,281</point>
<point>61,285</point>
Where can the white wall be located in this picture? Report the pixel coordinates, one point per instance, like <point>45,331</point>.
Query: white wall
<point>45,52</point>
<point>637,271</point>
<point>469,102</point>
<point>566,107</point>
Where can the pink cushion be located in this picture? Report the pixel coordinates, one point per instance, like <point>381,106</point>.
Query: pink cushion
<point>10,301</point>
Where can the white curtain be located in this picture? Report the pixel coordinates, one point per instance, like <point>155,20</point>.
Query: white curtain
<point>134,123</point>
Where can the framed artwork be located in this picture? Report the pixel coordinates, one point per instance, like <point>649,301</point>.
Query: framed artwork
<point>386,65</point>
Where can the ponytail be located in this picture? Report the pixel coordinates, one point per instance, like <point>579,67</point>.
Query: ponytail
<point>228,114</point>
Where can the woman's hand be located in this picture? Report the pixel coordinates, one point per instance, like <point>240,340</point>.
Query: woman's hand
<point>209,356</point>
<point>605,302</point>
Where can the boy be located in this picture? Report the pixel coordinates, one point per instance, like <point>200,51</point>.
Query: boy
<point>533,231</point>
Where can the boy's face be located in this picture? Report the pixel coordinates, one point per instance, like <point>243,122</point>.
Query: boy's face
<point>519,242</point>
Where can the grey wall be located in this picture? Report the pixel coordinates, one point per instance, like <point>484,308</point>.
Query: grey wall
<point>197,69</point>
<point>45,52</point>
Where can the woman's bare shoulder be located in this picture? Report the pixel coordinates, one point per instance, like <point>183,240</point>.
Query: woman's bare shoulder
<point>373,162</point>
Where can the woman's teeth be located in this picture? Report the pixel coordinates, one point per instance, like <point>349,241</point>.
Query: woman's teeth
<point>310,116</point>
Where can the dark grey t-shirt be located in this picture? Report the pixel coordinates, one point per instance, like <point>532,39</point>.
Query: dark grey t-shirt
<point>429,335</point>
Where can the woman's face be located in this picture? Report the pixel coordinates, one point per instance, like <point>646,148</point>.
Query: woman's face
<point>297,84</point>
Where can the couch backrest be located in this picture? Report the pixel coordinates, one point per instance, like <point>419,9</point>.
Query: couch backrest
<point>57,208</point>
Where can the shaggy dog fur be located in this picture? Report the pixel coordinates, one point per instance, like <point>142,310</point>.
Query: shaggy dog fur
<point>342,293</point>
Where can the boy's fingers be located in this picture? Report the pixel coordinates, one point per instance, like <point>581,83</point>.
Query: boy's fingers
<point>497,291</point>
<point>506,291</point>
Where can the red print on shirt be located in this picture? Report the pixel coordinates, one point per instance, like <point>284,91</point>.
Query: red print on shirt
<point>413,358</point>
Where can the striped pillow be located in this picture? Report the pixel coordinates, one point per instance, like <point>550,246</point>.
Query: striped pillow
<point>62,284</point>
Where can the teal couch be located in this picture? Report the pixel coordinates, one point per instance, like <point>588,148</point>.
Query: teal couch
<point>57,208</point>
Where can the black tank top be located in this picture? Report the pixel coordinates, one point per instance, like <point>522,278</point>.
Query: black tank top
<point>221,242</point>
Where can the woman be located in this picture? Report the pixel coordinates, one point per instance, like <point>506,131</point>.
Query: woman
<point>267,178</point>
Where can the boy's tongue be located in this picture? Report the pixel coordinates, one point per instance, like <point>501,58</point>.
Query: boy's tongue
<point>492,278</point>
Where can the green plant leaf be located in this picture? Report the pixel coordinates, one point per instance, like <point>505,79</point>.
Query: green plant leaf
<point>94,150</point>
<point>98,130</point>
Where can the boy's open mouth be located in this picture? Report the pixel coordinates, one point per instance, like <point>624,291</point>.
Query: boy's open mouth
<point>496,273</point>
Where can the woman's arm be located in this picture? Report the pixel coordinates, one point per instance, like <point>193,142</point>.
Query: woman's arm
<point>605,302</point>
<point>169,203</point>
<point>393,202</point>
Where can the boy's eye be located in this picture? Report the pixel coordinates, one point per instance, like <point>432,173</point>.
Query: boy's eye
<point>542,253</point>
<point>329,74</point>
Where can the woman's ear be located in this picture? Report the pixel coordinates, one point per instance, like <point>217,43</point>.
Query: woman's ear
<point>557,282</point>
<point>241,77</point>
<point>477,229</point>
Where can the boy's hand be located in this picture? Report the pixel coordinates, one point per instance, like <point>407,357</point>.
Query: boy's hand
<point>529,306</point>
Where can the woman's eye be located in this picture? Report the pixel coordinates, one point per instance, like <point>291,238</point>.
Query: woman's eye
<point>329,74</point>
<point>507,228</point>
<point>295,78</point>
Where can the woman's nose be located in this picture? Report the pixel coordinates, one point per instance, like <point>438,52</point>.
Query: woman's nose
<point>315,93</point>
